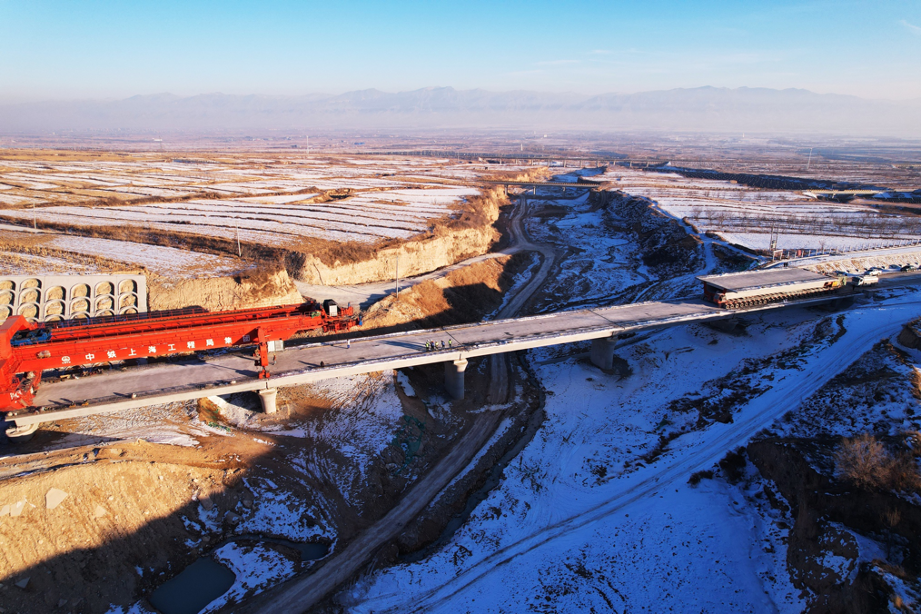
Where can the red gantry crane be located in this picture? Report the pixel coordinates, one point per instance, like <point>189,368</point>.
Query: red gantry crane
<point>27,349</point>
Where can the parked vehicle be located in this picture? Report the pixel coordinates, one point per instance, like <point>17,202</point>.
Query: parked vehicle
<point>865,280</point>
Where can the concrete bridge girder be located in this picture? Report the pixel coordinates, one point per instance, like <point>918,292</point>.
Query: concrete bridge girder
<point>42,298</point>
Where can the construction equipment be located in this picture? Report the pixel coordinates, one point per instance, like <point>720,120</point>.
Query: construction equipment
<point>29,348</point>
<point>754,288</point>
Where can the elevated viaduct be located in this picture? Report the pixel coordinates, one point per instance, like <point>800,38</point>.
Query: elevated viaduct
<point>196,377</point>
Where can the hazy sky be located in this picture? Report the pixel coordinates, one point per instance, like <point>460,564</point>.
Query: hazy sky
<point>102,49</point>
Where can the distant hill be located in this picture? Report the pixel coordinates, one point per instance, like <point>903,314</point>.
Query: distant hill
<point>704,109</point>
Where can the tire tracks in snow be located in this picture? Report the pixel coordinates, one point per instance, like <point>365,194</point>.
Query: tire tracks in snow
<point>759,413</point>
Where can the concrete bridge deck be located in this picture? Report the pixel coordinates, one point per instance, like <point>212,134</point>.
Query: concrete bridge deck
<point>197,377</point>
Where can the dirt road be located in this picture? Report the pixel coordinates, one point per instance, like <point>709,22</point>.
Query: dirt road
<point>302,593</point>
<point>365,295</point>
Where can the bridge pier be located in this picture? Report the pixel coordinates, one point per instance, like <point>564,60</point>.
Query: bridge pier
<point>267,399</point>
<point>454,378</point>
<point>602,353</point>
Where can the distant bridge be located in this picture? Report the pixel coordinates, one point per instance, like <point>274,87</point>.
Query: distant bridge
<point>587,185</point>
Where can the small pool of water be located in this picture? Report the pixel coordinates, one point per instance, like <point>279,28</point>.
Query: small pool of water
<point>205,580</point>
<point>195,587</point>
<point>308,551</point>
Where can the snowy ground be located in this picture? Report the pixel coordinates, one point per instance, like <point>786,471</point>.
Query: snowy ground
<point>586,518</point>
<point>365,217</point>
<point>276,201</point>
<point>596,513</point>
<point>742,214</point>
<point>78,254</point>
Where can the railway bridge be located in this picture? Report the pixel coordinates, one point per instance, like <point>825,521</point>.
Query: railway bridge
<point>197,377</point>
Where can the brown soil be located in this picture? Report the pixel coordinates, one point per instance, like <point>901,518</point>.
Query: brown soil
<point>249,289</point>
<point>82,563</point>
<point>470,232</point>
<point>123,509</point>
<point>667,248</point>
<point>464,295</point>
<point>129,504</point>
<point>537,173</point>
<point>909,336</point>
<point>465,232</point>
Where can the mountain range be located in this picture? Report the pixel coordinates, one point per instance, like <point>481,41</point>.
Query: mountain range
<point>703,109</point>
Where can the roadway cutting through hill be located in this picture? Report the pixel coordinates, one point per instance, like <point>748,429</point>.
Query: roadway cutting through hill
<point>300,594</point>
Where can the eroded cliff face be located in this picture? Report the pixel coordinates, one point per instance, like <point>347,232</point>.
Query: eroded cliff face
<point>415,258</point>
<point>826,511</point>
<point>471,235</point>
<point>471,232</point>
<point>667,247</point>
<point>464,295</point>
<point>248,289</point>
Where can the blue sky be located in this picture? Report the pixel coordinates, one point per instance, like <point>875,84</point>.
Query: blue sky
<point>107,49</point>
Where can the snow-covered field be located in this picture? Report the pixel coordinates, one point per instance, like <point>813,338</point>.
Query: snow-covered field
<point>746,215</point>
<point>166,261</point>
<point>271,205</point>
<point>76,254</point>
<point>587,519</point>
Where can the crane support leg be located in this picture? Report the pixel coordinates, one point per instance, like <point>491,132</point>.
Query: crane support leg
<point>267,398</point>
<point>602,353</point>
<point>454,378</point>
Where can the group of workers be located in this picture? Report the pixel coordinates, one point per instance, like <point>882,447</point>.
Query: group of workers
<point>430,345</point>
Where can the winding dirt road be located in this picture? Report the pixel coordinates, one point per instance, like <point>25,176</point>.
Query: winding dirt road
<point>301,593</point>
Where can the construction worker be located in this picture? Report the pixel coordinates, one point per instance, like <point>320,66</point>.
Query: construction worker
<point>443,344</point>
<point>348,343</point>
<point>449,344</point>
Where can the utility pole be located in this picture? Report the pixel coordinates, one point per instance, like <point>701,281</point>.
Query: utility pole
<point>809,158</point>
<point>237,232</point>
